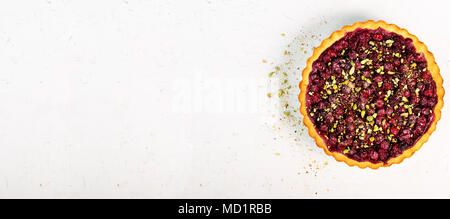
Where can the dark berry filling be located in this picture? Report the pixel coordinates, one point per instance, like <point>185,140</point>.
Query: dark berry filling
<point>370,95</point>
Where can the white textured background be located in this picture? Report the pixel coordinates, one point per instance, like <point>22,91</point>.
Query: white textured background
<point>168,99</point>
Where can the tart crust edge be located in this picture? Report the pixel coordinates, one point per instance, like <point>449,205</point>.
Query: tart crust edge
<point>420,48</point>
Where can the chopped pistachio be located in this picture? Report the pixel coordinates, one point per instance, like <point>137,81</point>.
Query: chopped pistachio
<point>380,69</point>
<point>352,70</point>
<point>346,150</point>
<point>376,128</point>
<point>396,80</point>
<point>366,61</point>
<point>389,42</point>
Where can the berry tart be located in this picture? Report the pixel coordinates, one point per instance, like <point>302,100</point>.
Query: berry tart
<point>371,94</point>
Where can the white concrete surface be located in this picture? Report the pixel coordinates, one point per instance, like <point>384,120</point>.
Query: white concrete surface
<point>168,99</point>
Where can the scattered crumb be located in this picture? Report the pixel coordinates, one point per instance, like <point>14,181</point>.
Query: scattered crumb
<point>284,79</point>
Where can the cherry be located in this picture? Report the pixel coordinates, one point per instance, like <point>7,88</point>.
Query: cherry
<point>374,155</point>
<point>389,111</point>
<point>379,103</point>
<point>426,111</point>
<point>332,141</point>
<point>377,37</point>
<point>388,67</point>
<point>384,145</point>
<point>428,93</point>
<point>383,154</point>
<point>420,86</point>
<point>319,66</point>
<point>406,93</point>
<point>394,131</point>
<point>313,88</point>
<point>378,78</point>
<point>332,53</point>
